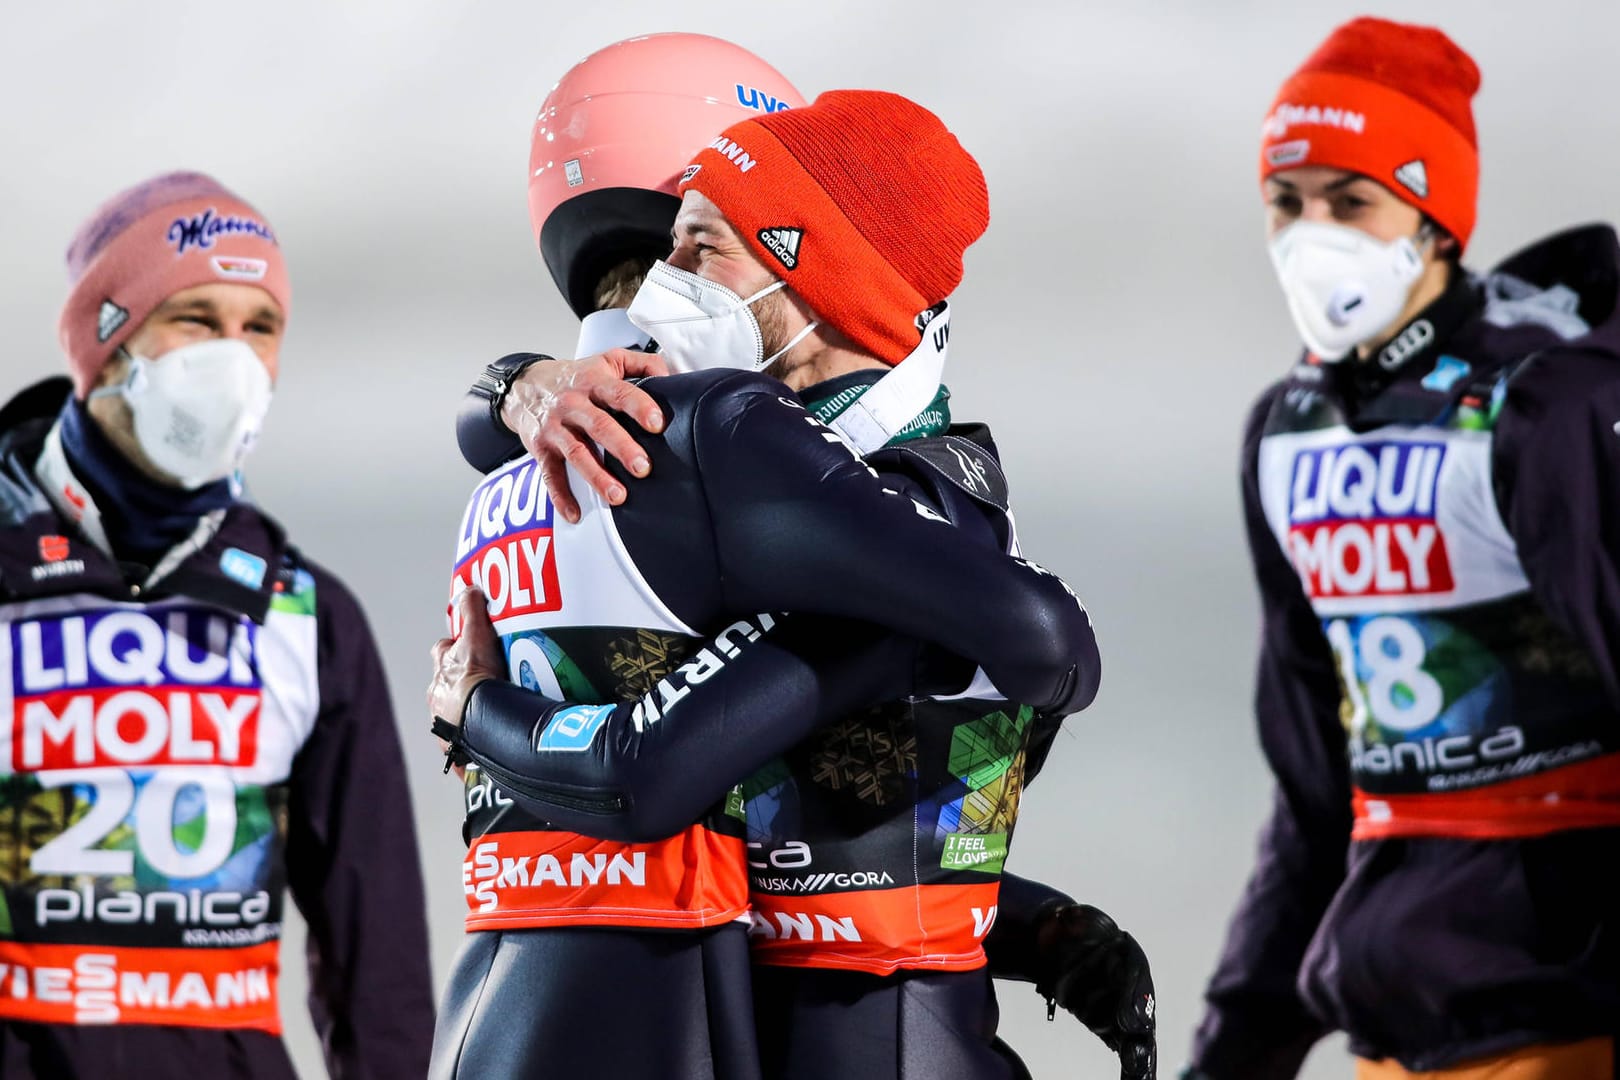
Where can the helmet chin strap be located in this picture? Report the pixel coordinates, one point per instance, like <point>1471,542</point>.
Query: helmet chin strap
<point>895,400</point>
<point>610,328</point>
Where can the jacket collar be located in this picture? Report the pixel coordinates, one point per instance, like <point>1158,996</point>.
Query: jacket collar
<point>48,544</point>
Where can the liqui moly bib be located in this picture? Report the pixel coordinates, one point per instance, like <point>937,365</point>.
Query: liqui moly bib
<point>144,754</point>
<point>1386,522</point>
<point>579,621</point>
<point>1467,710</point>
<point>536,570</point>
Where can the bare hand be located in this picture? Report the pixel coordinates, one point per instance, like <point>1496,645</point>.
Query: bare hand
<point>562,411</point>
<point>462,662</point>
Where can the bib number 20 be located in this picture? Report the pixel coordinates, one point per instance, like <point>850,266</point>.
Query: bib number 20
<point>77,850</point>
<point>1399,694</point>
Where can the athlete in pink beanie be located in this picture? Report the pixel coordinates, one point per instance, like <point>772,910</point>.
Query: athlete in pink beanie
<point>150,241</point>
<point>202,723</point>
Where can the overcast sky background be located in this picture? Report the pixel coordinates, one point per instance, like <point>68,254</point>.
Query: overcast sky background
<point>1115,323</point>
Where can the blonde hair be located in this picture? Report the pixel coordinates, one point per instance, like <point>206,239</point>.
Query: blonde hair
<point>617,287</point>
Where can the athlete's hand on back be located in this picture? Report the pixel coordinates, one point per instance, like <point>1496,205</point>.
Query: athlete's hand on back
<point>562,410</point>
<point>463,661</point>
<point>1100,975</point>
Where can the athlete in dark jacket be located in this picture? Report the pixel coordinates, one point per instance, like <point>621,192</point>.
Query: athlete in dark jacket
<point>1433,512</point>
<point>197,718</point>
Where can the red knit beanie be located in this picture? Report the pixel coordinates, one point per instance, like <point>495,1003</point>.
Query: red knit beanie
<point>862,202</point>
<point>147,243</point>
<point>1390,101</point>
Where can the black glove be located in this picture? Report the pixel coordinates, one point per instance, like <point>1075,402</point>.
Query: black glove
<point>1100,974</point>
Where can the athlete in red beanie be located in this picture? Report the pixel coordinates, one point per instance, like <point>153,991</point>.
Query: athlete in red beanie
<point>1432,496</point>
<point>863,203</point>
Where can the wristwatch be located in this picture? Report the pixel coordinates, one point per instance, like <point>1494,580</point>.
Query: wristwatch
<point>485,441</point>
<point>496,380</point>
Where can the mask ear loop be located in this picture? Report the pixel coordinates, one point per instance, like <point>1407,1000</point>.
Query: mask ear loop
<point>766,291</point>
<point>1427,233</point>
<point>784,350</point>
<point>129,384</point>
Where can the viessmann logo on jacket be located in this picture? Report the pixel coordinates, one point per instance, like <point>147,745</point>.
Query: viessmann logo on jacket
<point>1362,520</point>
<point>505,544</point>
<point>537,877</point>
<point>127,689</point>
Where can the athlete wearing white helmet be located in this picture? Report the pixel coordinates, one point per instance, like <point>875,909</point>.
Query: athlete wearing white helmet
<point>536,989</point>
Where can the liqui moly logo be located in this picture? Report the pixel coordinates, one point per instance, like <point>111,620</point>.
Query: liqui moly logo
<point>1361,520</point>
<point>134,689</point>
<point>505,544</point>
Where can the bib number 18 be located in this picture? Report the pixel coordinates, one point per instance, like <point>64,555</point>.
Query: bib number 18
<point>1399,694</point>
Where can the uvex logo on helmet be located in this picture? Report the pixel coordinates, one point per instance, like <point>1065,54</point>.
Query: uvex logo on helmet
<point>750,97</point>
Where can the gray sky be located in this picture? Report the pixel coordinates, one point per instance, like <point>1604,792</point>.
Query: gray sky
<point>1115,323</point>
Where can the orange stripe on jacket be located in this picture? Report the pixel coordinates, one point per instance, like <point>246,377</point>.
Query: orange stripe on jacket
<point>932,927</point>
<point>694,879</point>
<point>1581,796</point>
<point>86,984</point>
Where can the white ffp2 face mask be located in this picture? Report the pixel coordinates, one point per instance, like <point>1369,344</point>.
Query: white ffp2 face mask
<point>197,409</point>
<point>701,324</point>
<point>1344,287</point>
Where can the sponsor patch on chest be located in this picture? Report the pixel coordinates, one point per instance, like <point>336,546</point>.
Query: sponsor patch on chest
<point>1362,520</point>
<point>133,689</point>
<point>505,545</point>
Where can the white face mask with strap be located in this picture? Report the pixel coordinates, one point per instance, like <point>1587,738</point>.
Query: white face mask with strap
<point>701,324</point>
<point>1344,288</point>
<point>197,409</point>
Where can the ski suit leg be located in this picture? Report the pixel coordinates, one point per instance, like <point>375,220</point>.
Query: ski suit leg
<point>592,1001</point>
<point>815,1024</point>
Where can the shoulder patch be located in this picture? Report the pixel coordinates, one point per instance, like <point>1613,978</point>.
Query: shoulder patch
<point>294,592</point>
<point>964,463</point>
